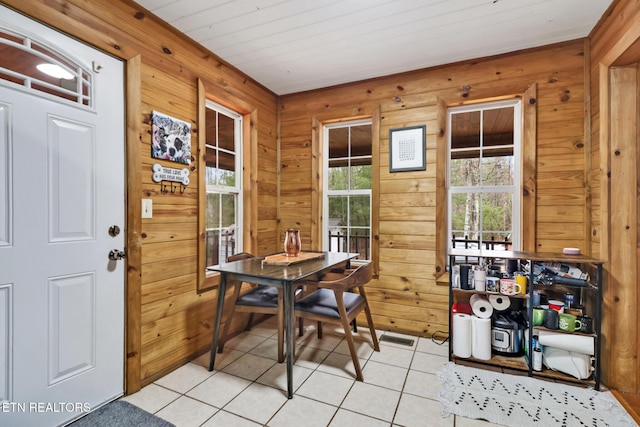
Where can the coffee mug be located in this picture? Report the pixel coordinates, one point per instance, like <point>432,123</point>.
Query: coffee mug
<point>492,285</point>
<point>521,279</point>
<point>538,316</point>
<point>479,279</point>
<point>556,305</point>
<point>550,319</point>
<point>509,287</point>
<point>587,324</point>
<point>568,322</point>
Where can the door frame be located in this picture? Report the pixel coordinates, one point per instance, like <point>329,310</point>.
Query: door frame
<point>133,207</point>
<point>616,271</point>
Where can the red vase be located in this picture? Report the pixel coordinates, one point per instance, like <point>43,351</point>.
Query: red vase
<point>292,243</point>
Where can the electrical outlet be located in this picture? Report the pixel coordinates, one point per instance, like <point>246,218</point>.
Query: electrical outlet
<point>147,208</point>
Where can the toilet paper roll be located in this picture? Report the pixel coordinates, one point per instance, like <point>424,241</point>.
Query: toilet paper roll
<point>577,343</point>
<point>481,338</point>
<point>500,302</point>
<point>462,335</point>
<point>480,306</point>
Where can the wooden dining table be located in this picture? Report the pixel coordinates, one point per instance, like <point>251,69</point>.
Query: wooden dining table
<point>275,271</point>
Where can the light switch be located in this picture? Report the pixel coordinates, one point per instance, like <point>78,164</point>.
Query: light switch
<point>147,208</point>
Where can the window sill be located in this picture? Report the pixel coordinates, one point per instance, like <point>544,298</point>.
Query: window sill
<point>211,281</point>
<point>443,280</point>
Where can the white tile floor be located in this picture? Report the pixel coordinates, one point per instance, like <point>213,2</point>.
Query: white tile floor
<point>248,386</point>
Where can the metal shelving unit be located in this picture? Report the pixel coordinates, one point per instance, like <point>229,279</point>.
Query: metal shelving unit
<point>590,295</point>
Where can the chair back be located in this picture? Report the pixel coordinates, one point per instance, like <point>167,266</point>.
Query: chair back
<point>239,256</point>
<point>348,278</point>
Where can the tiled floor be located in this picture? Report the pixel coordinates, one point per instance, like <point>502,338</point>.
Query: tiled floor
<point>248,386</point>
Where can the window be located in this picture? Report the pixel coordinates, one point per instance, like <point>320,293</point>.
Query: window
<point>347,183</point>
<point>35,67</point>
<point>223,180</point>
<point>484,177</point>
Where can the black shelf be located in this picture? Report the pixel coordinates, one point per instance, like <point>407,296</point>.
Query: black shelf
<point>592,288</point>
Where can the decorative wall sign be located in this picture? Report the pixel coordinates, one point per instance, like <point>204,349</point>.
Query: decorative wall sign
<point>407,149</point>
<point>161,174</point>
<point>171,138</point>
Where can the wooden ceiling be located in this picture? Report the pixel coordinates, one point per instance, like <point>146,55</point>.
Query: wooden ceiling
<point>296,45</point>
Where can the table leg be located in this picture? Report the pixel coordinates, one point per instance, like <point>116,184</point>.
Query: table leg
<point>288,330</point>
<point>222,290</point>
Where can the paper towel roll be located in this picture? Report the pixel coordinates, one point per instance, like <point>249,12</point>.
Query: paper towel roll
<point>571,342</point>
<point>481,338</point>
<point>462,335</point>
<point>500,302</point>
<point>481,306</point>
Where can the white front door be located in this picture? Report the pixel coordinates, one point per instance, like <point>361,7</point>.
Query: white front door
<point>61,189</point>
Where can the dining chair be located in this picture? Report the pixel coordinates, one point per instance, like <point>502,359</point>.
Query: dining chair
<point>261,299</point>
<point>335,302</point>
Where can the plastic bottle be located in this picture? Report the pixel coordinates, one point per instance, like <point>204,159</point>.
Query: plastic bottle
<point>537,354</point>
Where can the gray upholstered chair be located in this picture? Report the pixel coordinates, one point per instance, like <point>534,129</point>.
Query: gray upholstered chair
<point>334,302</point>
<point>259,299</point>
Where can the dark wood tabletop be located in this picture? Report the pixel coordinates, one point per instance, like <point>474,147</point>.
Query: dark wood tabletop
<point>253,270</point>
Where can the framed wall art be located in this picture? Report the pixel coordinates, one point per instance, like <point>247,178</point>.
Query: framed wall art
<point>407,149</point>
<point>171,138</point>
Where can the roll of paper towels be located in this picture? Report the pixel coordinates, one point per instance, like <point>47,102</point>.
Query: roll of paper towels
<point>462,335</point>
<point>481,338</point>
<point>480,306</point>
<point>500,302</point>
<point>571,342</point>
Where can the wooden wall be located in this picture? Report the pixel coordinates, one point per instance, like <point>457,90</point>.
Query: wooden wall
<point>406,295</point>
<point>615,91</point>
<point>169,322</point>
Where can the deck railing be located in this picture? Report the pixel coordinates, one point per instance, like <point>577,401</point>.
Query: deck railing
<point>491,244</point>
<point>218,250</point>
<point>357,244</point>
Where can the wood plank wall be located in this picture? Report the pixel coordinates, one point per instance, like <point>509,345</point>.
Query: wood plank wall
<point>615,93</point>
<point>172,322</point>
<point>169,322</point>
<point>406,295</point>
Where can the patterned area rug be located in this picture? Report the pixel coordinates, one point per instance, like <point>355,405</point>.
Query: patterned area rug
<point>512,400</point>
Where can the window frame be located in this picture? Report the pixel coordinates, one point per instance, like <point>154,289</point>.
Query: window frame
<point>326,193</point>
<point>207,90</point>
<point>237,189</point>
<point>514,188</point>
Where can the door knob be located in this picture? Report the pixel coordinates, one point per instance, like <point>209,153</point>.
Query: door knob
<point>116,255</point>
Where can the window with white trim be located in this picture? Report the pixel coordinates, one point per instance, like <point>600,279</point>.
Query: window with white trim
<point>484,179</point>
<point>347,187</point>
<point>223,178</point>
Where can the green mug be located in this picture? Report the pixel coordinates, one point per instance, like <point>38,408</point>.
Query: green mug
<point>538,316</point>
<point>568,322</point>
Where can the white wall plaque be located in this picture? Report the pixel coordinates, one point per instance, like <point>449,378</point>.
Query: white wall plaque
<point>161,173</point>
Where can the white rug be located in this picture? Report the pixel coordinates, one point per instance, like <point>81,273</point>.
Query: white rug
<point>512,400</point>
